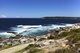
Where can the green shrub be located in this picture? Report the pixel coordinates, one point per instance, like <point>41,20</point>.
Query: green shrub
<point>35,50</point>
<point>72,34</point>
<point>74,38</point>
<point>67,50</point>
<point>32,46</point>
<point>50,37</point>
<point>42,39</point>
<point>63,34</point>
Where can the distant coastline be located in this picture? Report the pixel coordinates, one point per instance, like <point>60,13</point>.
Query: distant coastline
<point>61,17</point>
<point>46,17</point>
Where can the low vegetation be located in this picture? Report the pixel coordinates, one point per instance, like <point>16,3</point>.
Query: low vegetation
<point>73,36</point>
<point>35,50</point>
<point>67,50</point>
<point>31,48</point>
<point>41,39</point>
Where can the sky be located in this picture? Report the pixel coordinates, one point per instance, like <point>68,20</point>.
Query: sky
<point>39,8</point>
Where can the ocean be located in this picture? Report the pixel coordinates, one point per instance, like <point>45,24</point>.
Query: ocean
<point>32,26</point>
<point>6,23</point>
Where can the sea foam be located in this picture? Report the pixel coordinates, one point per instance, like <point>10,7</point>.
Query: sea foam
<point>27,30</point>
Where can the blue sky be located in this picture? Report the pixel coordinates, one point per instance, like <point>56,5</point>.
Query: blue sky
<point>39,8</point>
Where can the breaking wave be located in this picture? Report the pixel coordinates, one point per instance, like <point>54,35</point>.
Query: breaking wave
<point>32,30</point>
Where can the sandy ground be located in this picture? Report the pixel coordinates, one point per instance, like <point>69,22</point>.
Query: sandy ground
<point>15,48</point>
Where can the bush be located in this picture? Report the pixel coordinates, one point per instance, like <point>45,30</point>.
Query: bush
<point>35,50</point>
<point>42,39</point>
<point>50,37</point>
<point>73,34</point>
<point>67,50</point>
<point>63,34</point>
<point>32,46</point>
<point>74,38</point>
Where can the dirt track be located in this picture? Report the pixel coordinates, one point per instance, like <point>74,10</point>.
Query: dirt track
<point>15,48</point>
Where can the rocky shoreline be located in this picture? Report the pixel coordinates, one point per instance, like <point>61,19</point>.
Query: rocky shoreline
<point>49,41</point>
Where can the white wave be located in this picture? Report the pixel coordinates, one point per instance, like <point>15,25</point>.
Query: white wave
<point>35,28</point>
<point>22,28</point>
<point>6,35</point>
<point>32,29</point>
<point>28,26</point>
<point>68,25</point>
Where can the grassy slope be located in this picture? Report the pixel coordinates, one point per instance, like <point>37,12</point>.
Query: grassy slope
<point>73,36</point>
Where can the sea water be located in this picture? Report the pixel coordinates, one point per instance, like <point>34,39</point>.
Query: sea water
<point>32,26</point>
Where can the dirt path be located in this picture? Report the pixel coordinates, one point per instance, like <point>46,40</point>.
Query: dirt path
<point>15,48</point>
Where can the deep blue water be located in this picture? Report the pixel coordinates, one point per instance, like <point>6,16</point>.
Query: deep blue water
<point>6,23</point>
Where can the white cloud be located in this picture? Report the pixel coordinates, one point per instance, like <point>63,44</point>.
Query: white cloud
<point>3,16</point>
